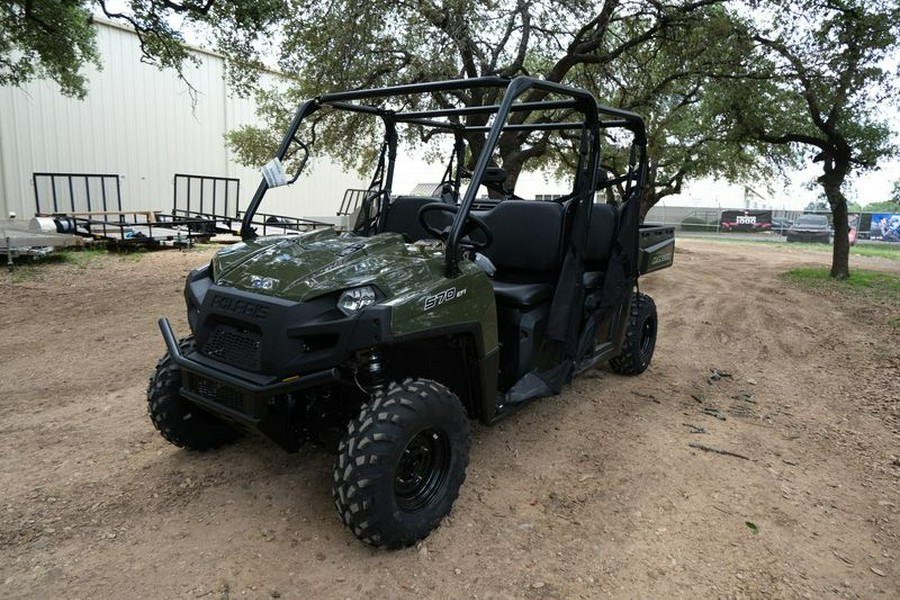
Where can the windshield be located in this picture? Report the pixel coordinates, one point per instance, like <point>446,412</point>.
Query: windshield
<point>812,221</point>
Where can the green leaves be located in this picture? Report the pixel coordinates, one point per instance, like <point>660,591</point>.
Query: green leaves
<point>44,39</point>
<point>54,39</point>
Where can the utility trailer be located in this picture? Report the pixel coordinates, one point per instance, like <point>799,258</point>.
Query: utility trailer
<point>17,240</point>
<point>90,205</point>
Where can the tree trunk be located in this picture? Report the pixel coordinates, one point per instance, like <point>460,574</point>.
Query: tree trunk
<point>840,258</point>
<point>648,200</point>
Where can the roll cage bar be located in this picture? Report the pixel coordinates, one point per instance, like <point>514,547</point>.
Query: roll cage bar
<point>574,98</point>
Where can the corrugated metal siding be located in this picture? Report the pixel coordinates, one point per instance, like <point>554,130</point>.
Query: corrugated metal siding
<point>137,121</point>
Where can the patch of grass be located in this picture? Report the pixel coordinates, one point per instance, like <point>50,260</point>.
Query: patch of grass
<point>873,280</point>
<point>82,258</point>
<point>869,294</point>
<point>132,254</point>
<point>31,269</point>
<point>205,247</point>
<point>881,250</point>
<point>889,251</point>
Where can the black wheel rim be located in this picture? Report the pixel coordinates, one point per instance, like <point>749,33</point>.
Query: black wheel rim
<point>422,469</point>
<point>648,335</point>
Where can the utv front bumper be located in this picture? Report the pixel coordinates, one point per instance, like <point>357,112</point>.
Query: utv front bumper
<point>253,384</point>
<point>250,401</point>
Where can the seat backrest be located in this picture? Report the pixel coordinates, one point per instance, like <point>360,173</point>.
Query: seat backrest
<point>528,239</point>
<point>601,236</point>
<point>403,217</point>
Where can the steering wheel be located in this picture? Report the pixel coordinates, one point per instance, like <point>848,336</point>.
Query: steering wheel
<point>472,224</point>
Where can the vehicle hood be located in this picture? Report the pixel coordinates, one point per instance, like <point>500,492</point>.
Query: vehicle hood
<point>303,267</point>
<point>815,227</point>
<point>810,228</point>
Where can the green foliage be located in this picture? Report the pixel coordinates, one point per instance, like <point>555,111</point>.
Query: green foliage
<point>882,207</point>
<point>54,39</point>
<point>819,81</point>
<point>820,78</point>
<point>652,57</point>
<point>46,39</point>
<point>673,80</point>
<point>895,193</point>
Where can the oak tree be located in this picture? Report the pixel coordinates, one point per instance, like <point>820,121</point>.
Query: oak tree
<point>828,79</point>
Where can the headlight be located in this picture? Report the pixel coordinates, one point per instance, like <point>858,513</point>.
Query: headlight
<point>356,299</point>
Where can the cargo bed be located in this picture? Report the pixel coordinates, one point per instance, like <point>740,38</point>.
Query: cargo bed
<point>657,248</point>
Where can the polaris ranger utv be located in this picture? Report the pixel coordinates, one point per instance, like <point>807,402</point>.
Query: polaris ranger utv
<point>430,312</point>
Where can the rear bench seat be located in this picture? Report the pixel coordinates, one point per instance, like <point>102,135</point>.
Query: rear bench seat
<point>600,243</point>
<point>527,250</point>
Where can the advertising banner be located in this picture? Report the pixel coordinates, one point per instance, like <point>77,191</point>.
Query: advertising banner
<point>746,220</point>
<point>885,227</point>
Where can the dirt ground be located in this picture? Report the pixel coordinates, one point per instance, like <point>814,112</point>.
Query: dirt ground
<point>602,491</point>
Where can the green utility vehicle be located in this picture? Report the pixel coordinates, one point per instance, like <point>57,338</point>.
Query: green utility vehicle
<point>432,311</point>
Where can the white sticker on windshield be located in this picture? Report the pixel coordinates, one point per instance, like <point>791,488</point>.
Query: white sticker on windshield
<point>273,172</point>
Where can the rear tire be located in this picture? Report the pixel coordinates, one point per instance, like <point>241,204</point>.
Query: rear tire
<point>402,463</point>
<point>178,420</point>
<point>640,338</point>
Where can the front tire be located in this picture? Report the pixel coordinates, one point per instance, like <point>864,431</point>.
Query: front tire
<point>402,463</point>
<point>178,420</point>
<point>640,338</point>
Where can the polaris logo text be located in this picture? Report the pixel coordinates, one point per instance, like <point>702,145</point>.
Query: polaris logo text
<point>242,308</point>
<point>445,296</point>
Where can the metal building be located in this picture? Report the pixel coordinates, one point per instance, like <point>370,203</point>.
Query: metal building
<point>138,122</point>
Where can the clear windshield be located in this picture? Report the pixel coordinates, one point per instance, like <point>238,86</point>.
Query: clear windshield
<point>812,221</point>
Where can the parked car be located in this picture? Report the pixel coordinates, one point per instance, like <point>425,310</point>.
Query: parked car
<point>780,225</point>
<point>810,228</point>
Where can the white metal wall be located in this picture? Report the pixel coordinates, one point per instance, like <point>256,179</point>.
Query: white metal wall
<point>138,121</point>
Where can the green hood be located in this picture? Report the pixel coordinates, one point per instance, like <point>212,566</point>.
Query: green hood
<point>302,267</point>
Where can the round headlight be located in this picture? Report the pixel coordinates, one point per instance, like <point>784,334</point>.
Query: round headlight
<point>355,300</point>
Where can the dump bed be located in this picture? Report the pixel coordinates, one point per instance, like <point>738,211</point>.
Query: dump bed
<point>657,248</point>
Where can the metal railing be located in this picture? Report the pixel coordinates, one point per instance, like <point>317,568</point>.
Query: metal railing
<point>267,224</point>
<point>206,195</point>
<point>84,193</point>
<point>351,201</point>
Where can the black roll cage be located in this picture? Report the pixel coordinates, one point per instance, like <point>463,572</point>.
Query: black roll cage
<point>580,100</point>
